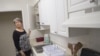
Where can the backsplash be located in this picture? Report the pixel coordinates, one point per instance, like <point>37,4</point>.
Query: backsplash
<point>90,41</point>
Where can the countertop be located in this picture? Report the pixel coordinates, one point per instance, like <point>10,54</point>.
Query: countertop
<point>37,54</point>
<point>34,43</point>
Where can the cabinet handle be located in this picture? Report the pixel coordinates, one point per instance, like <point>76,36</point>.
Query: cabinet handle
<point>42,23</point>
<point>91,1</point>
<point>55,32</point>
<point>38,22</point>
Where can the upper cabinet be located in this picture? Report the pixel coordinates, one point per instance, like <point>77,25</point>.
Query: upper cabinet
<point>90,20</point>
<point>35,2</point>
<point>61,17</point>
<point>75,5</point>
<point>44,9</point>
<point>83,14</point>
<point>52,15</point>
<point>58,15</point>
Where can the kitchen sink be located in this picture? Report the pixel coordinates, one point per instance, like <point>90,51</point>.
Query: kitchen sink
<point>39,48</point>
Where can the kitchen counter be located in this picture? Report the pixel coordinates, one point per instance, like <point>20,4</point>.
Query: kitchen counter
<point>35,53</point>
<point>34,43</point>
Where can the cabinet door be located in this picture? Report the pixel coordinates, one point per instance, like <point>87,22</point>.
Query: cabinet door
<point>53,26</point>
<point>35,2</point>
<point>98,2</point>
<point>52,15</point>
<point>50,11</point>
<point>43,12</point>
<point>75,5</point>
<point>61,17</point>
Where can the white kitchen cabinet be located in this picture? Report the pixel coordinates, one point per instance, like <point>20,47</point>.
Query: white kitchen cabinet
<point>75,5</point>
<point>82,16</point>
<point>52,14</point>
<point>35,2</point>
<point>58,18</point>
<point>53,26</point>
<point>90,20</point>
<point>47,14</point>
<point>61,17</point>
<point>43,12</point>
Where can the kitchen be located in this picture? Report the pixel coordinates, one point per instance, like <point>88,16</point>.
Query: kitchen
<point>66,23</point>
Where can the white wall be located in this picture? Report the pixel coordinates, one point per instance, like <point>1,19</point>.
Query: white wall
<point>6,29</point>
<point>6,44</point>
<point>91,41</point>
<point>19,5</point>
<point>7,5</point>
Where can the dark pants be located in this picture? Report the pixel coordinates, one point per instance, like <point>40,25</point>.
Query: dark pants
<point>28,53</point>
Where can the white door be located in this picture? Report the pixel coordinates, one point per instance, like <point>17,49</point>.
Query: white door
<point>74,5</point>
